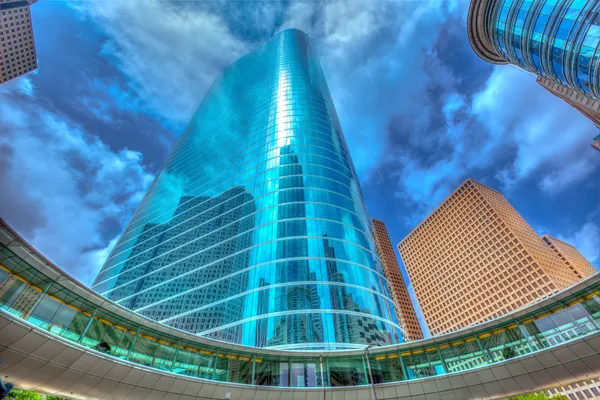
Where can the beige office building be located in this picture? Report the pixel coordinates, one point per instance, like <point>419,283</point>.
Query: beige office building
<point>571,257</point>
<point>17,47</point>
<point>475,258</point>
<point>407,318</point>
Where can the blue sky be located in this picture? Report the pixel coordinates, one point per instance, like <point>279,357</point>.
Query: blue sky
<point>83,137</point>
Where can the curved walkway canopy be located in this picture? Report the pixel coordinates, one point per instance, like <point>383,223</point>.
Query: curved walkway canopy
<point>51,326</point>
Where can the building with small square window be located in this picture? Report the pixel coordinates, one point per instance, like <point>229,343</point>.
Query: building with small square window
<point>405,311</point>
<point>17,45</point>
<point>474,258</point>
<point>572,258</point>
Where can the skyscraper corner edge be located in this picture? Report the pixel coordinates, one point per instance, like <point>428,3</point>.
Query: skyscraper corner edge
<point>478,39</point>
<point>291,30</point>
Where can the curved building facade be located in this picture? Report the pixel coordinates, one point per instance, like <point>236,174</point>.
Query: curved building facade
<point>557,39</point>
<point>255,231</point>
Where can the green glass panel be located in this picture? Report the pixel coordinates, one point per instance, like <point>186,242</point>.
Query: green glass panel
<point>272,371</point>
<point>386,367</point>
<point>592,306</point>
<point>112,330</point>
<point>505,343</point>
<point>460,355</point>
<point>347,371</point>
<point>194,361</point>
<point>154,350</point>
<point>422,363</point>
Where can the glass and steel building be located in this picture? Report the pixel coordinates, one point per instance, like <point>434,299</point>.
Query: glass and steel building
<point>554,39</point>
<point>255,231</point>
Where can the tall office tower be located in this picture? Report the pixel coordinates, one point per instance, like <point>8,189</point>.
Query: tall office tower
<point>17,51</point>
<point>475,258</point>
<point>554,39</point>
<point>255,231</point>
<point>407,318</point>
<point>576,263</point>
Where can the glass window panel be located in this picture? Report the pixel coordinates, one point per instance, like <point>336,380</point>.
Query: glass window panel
<point>239,367</point>
<point>422,363</point>
<point>350,371</point>
<point>117,333</point>
<point>462,354</point>
<point>386,367</point>
<point>272,371</point>
<point>505,343</point>
<point>16,296</point>
<point>592,306</point>
<point>582,318</point>
<point>194,361</point>
<point>154,350</point>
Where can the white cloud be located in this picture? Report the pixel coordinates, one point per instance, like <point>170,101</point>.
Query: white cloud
<point>382,66</point>
<point>169,55</point>
<point>551,140</point>
<point>425,187</point>
<point>26,86</point>
<point>374,54</point>
<point>566,175</point>
<point>61,185</point>
<point>586,240</point>
<point>21,85</point>
<point>454,102</point>
<point>171,62</point>
<point>169,52</point>
<point>512,119</point>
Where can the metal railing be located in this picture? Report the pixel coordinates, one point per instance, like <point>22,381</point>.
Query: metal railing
<point>35,290</point>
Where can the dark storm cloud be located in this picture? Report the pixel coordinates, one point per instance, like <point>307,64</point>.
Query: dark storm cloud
<point>453,50</point>
<point>79,83</point>
<point>61,184</point>
<point>62,187</point>
<point>31,218</point>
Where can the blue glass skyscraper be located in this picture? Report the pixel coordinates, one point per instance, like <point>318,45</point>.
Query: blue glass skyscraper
<point>557,39</point>
<point>255,231</point>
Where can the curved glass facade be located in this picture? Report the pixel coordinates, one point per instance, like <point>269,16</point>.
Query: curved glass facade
<point>553,38</point>
<point>43,296</point>
<point>255,231</point>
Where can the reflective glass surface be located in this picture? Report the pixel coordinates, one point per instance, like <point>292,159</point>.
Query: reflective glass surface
<point>554,38</point>
<point>61,307</point>
<point>255,231</point>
